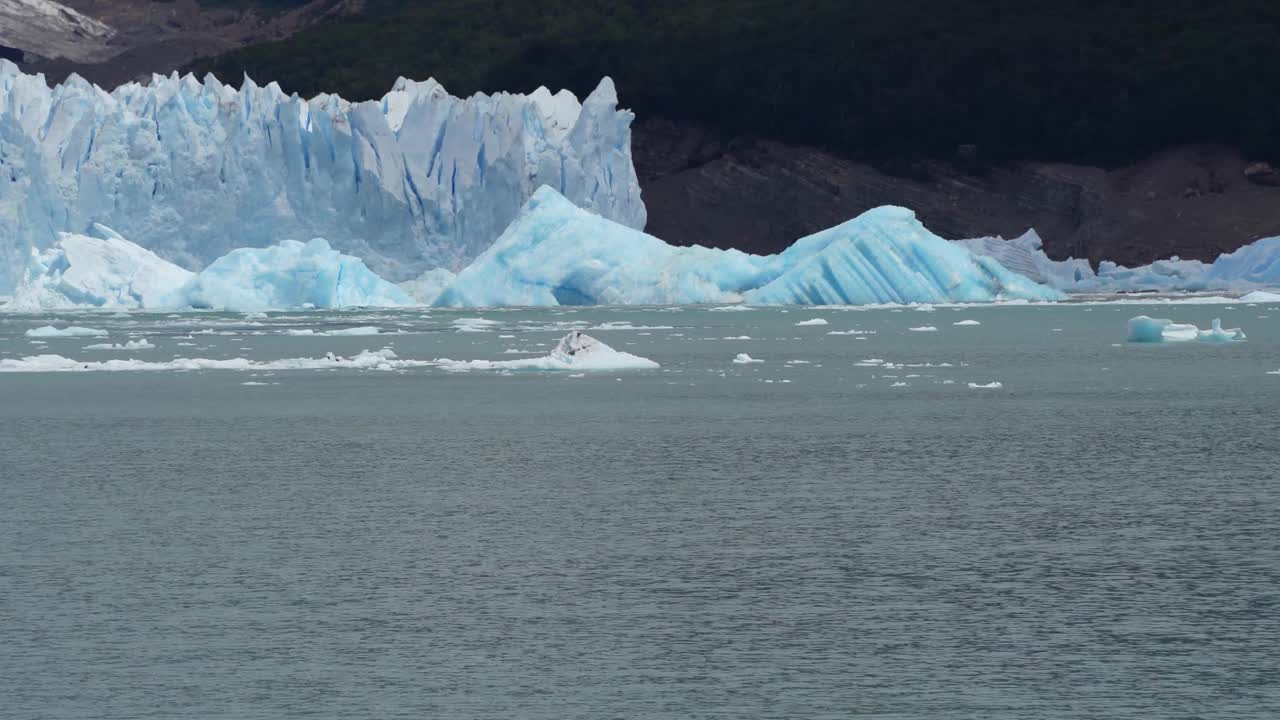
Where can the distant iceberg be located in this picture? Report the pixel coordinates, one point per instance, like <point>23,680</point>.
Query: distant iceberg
<point>1252,267</point>
<point>557,254</point>
<point>193,169</point>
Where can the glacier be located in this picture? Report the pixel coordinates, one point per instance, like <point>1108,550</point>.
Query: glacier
<point>555,253</point>
<point>193,169</point>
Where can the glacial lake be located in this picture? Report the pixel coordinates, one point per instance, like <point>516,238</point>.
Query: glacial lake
<point>847,528</point>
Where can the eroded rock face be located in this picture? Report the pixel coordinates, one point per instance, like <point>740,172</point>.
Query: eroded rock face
<point>759,196</point>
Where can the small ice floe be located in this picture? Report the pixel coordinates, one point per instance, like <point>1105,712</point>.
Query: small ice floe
<point>730,308</point>
<point>745,359</point>
<point>739,337</point>
<point>128,345</point>
<point>988,386</point>
<point>474,324</point>
<point>812,323</point>
<point>71,331</point>
<point>966,323</point>
<point>923,328</point>
<point>1143,329</point>
<point>799,362</point>
<point>900,384</point>
<point>852,332</point>
<point>361,331</point>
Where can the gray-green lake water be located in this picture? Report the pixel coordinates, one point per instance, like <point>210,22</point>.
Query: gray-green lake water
<point>798,538</point>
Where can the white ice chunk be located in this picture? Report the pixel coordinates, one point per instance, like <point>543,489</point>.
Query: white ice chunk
<point>745,359</point>
<point>575,351</point>
<point>1143,329</point>
<point>71,331</point>
<point>810,323</point>
<point>987,386</point>
<point>127,345</point>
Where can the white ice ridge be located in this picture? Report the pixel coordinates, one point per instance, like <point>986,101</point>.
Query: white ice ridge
<point>1251,267</point>
<point>557,254</point>
<point>575,351</point>
<point>192,169</point>
<point>1143,329</point>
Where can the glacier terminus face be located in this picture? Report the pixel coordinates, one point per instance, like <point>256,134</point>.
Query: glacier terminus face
<point>193,169</point>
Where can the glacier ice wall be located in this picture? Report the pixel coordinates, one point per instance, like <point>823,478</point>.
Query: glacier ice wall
<point>192,170</point>
<point>557,254</point>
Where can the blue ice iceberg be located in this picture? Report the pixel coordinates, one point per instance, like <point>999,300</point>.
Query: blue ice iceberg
<point>106,271</point>
<point>1143,329</point>
<point>194,169</point>
<point>886,255</point>
<point>557,254</point>
<point>285,276</point>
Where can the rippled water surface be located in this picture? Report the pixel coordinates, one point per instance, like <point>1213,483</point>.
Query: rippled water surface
<point>846,528</point>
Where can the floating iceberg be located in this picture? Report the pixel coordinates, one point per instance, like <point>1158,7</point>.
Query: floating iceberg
<point>557,254</point>
<point>1143,329</point>
<point>289,275</point>
<point>192,170</point>
<point>105,271</point>
<point>72,331</point>
<point>1253,266</point>
<point>886,256</point>
<point>1025,256</point>
<point>575,351</point>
